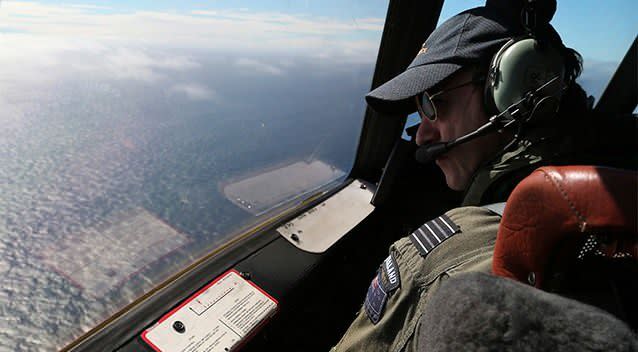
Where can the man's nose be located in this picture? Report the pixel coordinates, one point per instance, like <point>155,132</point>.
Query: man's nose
<point>427,132</point>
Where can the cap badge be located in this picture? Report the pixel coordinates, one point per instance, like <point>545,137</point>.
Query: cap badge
<point>422,51</point>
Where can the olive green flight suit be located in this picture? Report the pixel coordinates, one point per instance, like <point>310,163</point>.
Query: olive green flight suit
<point>469,250</point>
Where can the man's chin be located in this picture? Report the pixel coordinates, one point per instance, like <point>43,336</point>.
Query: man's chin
<point>454,186</point>
<point>451,179</point>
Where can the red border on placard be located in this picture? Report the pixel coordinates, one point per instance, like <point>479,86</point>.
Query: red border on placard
<point>168,315</point>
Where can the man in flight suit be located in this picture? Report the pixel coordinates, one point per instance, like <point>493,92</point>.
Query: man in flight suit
<point>450,68</point>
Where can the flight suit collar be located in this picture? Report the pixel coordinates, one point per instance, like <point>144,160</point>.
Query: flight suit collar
<point>493,182</point>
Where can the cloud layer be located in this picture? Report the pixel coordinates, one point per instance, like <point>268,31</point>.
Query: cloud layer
<point>66,26</point>
<point>194,91</point>
<point>258,66</point>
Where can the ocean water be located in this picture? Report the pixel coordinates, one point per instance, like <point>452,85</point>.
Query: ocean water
<point>110,181</point>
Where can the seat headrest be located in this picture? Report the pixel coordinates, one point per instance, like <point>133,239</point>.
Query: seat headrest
<point>551,213</point>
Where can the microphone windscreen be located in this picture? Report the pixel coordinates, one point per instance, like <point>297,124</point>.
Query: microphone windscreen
<point>429,152</point>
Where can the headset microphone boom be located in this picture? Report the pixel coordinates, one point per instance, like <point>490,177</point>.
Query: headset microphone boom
<point>534,105</point>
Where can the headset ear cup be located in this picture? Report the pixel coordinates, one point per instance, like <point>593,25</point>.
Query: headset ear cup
<point>520,66</point>
<point>491,79</point>
<point>488,98</point>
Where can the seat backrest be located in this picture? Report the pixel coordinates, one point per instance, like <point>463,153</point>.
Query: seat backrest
<point>559,218</point>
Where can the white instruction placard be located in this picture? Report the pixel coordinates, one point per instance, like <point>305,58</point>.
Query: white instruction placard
<point>217,318</point>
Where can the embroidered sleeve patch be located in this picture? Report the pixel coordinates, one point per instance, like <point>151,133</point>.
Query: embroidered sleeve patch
<point>375,300</point>
<point>390,277</point>
<point>433,233</point>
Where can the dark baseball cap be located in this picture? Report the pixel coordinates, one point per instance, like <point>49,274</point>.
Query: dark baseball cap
<point>469,38</point>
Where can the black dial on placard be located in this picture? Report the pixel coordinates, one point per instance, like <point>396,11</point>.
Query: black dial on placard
<point>179,327</point>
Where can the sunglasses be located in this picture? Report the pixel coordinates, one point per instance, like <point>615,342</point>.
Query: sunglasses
<point>425,102</point>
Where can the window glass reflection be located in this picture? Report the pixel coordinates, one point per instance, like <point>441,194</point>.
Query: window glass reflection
<point>138,136</point>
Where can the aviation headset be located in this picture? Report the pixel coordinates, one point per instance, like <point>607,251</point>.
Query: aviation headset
<point>522,65</point>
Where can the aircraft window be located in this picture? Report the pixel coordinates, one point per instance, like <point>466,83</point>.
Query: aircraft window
<point>600,32</point>
<point>412,120</point>
<point>138,136</point>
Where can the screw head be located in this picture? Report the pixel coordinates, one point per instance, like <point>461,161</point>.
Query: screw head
<point>294,237</point>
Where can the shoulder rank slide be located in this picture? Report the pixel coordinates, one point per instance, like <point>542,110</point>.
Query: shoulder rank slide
<point>433,233</point>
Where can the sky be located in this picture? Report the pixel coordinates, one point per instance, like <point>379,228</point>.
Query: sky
<point>196,25</point>
<point>343,9</point>
<point>125,33</point>
<point>600,30</point>
<point>149,41</point>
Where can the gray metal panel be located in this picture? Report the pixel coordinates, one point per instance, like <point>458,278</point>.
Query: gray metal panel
<point>496,208</point>
<point>319,228</point>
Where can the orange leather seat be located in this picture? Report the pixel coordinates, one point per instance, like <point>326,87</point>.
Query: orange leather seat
<point>553,217</point>
<point>559,213</point>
